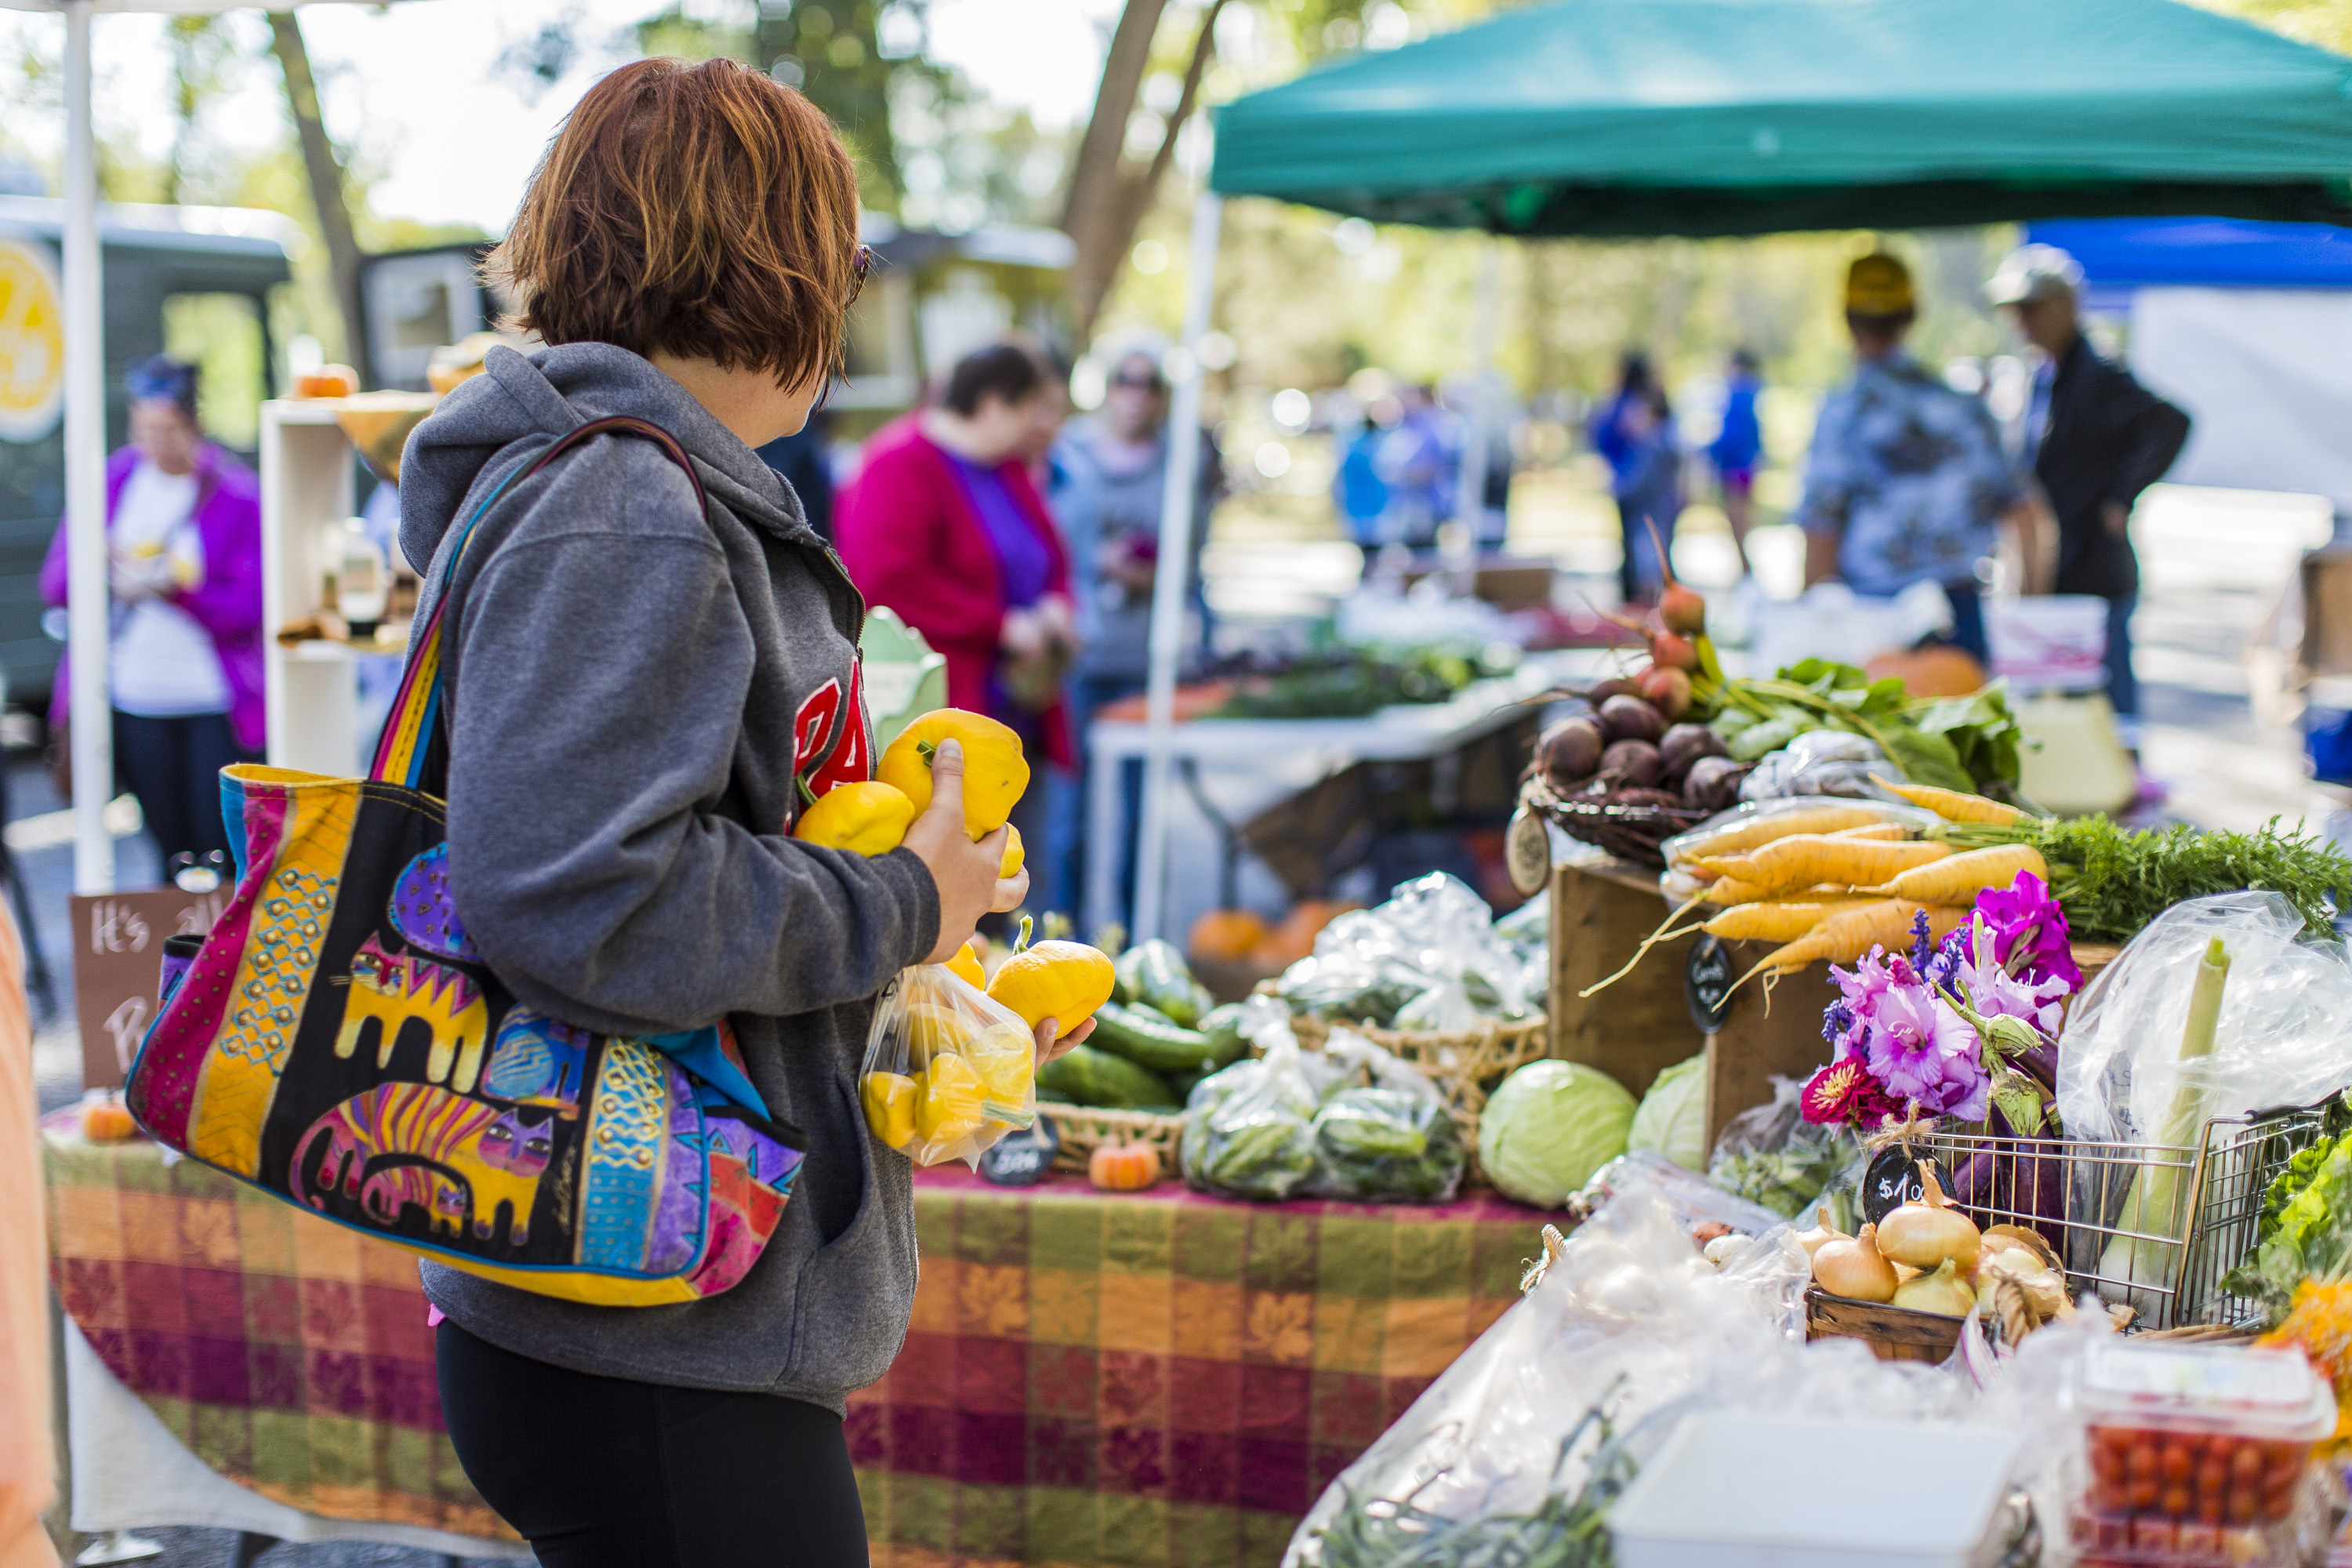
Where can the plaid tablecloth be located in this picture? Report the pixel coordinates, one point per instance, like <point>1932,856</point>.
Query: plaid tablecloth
<point>287,1353</point>
<point>1157,1378</point>
<point>1148,1379</point>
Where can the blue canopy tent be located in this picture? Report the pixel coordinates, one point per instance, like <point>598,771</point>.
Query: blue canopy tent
<point>2120,255</point>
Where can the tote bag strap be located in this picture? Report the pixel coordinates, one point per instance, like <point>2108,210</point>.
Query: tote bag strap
<point>402,755</point>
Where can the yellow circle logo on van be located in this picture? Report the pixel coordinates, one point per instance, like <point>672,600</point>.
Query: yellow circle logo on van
<point>32,343</point>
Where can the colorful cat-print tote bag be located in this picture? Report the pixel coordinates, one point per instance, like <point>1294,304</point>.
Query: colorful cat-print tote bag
<point>339,1043</point>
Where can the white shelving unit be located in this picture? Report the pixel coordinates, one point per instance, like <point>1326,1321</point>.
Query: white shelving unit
<point>306,485</point>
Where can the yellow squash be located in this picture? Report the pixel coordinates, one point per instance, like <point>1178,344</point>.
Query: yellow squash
<point>1066,980</point>
<point>1013,853</point>
<point>965,965</point>
<point>994,771</point>
<point>869,819</point>
<point>947,1104</point>
<point>889,1100</point>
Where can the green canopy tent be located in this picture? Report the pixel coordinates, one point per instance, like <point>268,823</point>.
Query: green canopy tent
<point>1729,117</point>
<point>1739,116</point>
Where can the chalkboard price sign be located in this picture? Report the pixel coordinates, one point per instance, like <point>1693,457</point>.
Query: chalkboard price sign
<point>1022,1159</point>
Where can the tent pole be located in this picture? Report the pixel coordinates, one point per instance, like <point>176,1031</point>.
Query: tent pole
<point>1171,585</point>
<point>1470,499</point>
<point>85,451</point>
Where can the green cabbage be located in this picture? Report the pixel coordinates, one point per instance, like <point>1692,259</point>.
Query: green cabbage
<point>1549,1127</point>
<point>1672,1118</point>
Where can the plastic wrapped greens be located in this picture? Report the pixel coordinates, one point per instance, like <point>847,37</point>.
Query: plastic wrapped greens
<point>1429,958</point>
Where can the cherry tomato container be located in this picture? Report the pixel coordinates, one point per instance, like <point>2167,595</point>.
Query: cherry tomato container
<point>2196,1454</point>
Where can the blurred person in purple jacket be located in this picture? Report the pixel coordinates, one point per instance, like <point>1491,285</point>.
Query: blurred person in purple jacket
<point>183,564</point>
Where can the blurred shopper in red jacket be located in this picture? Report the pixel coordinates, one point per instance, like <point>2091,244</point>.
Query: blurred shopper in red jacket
<point>944,525</point>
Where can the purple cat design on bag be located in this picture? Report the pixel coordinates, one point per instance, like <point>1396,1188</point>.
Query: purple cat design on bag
<point>404,1145</point>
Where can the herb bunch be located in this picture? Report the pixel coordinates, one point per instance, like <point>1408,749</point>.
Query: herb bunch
<point>2112,881</point>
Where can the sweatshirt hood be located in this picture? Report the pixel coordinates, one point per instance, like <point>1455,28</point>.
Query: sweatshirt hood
<point>555,390</point>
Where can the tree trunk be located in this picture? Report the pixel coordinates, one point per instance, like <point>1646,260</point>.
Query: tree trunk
<point>1109,205</point>
<point>1093,215</point>
<point>326,172</point>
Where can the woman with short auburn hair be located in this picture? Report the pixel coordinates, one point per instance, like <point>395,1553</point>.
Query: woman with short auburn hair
<point>641,691</point>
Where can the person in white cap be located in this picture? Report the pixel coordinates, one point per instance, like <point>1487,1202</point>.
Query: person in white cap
<point>2095,438</point>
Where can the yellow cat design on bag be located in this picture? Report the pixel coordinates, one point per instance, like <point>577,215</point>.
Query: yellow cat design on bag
<point>392,989</point>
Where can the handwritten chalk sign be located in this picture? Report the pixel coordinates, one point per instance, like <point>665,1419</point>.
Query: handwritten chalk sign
<point>118,955</point>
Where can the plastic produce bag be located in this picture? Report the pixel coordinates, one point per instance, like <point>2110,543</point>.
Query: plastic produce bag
<point>1249,1130</point>
<point>1502,1448</point>
<point>2280,1041</point>
<point>947,1071</point>
<point>1723,829</point>
<point>1818,763</point>
<point>1387,1139</point>
<point>1429,958</point>
<point>1770,1155</point>
<point>1696,1203</point>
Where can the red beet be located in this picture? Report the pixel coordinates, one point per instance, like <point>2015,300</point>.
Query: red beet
<point>1672,652</point>
<point>1570,752</point>
<point>1624,718</point>
<point>1631,763</point>
<point>1667,690</point>
<point>1683,609</point>
<point>1713,783</point>
<point>1603,690</point>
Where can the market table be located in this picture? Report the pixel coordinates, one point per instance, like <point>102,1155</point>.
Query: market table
<point>289,1354</point>
<point>1158,1378</point>
<point>1286,755</point>
<point>1155,1378</point>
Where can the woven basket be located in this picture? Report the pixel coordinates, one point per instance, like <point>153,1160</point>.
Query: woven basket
<point>1893,1334</point>
<point>1629,832</point>
<point>1085,1128</point>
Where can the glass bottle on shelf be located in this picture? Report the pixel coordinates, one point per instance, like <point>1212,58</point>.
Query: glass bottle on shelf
<point>361,580</point>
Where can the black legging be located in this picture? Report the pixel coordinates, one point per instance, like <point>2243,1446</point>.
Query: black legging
<point>601,1472</point>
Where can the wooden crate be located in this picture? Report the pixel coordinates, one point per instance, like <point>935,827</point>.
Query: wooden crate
<point>1641,1025</point>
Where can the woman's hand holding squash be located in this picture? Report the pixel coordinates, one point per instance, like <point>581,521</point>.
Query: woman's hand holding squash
<point>963,871</point>
<point>1053,1042</point>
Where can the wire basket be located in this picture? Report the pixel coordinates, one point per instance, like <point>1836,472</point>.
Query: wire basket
<point>2153,1227</point>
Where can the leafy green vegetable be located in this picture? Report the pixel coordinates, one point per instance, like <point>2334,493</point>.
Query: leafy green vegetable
<point>1353,682</point>
<point>1956,742</point>
<point>2112,881</point>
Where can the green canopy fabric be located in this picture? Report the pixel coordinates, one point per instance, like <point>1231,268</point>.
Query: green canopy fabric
<point>1725,117</point>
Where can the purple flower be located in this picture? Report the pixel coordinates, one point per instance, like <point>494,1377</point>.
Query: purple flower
<point>1921,1050</point>
<point>1995,993</point>
<point>2029,931</point>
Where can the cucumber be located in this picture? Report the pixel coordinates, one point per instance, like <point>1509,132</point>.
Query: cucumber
<point>1089,1077</point>
<point>1224,1027</point>
<point>1154,974</point>
<point>1143,1040</point>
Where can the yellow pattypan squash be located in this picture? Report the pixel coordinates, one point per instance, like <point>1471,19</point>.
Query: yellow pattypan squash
<point>994,771</point>
<point>869,819</point>
<point>1065,981</point>
<point>965,965</point>
<point>1013,853</point>
<point>889,1100</point>
<point>948,1103</point>
<point>1006,1061</point>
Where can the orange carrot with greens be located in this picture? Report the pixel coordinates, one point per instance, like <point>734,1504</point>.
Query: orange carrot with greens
<point>1810,858</point>
<point>1951,805</point>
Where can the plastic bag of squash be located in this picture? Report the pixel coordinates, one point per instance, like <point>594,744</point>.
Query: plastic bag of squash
<point>948,1070</point>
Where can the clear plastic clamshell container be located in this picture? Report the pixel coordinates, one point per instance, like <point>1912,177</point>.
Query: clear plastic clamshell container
<point>2197,1454</point>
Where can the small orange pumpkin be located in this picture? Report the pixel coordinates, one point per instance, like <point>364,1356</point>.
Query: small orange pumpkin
<point>1226,935</point>
<point>1940,669</point>
<point>1123,1167</point>
<point>106,1121</point>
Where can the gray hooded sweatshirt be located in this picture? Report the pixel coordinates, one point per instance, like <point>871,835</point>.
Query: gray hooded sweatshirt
<point>634,690</point>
